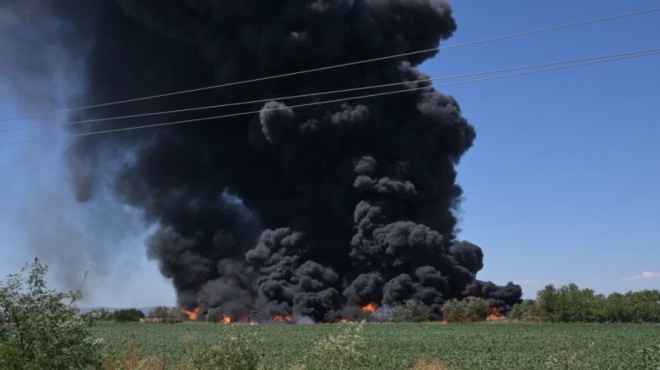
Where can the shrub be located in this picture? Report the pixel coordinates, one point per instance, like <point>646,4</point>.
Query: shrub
<point>236,351</point>
<point>167,315</point>
<point>343,351</point>
<point>128,315</point>
<point>528,310</point>
<point>408,311</point>
<point>176,316</point>
<point>412,311</point>
<point>41,328</point>
<point>214,314</point>
<point>454,311</point>
<point>160,312</point>
<point>477,309</point>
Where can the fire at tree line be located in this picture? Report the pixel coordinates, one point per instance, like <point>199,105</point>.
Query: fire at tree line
<point>567,303</point>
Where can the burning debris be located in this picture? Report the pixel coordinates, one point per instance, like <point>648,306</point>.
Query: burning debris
<point>495,314</point>
<point>283,319</point>
<point>369,308</point>
<point>192,314</point>
<point>322,212</point>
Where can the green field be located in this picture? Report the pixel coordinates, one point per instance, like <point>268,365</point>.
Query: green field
<point>397,346</point>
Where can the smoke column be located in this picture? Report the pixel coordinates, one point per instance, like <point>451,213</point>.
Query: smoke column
<point>311,211</point>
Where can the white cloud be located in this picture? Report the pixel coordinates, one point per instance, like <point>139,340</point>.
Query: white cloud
<point>645,276</point>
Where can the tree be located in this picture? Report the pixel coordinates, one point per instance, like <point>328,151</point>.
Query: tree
<point>618,308</point>
<point>128,315</point>
<point>477,309</point>
<point>646,305</point>
<point>160,312</point>
<point>41,328</point>
<point>528,310</point>
<point>548,303</point>
<point>214,314</point>
<point>454,311</point>
<point>176,316</point>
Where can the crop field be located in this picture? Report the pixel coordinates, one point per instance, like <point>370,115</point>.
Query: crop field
<point>398,346</point>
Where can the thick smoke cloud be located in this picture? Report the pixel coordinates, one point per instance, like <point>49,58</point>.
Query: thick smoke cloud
<point>310,211</point>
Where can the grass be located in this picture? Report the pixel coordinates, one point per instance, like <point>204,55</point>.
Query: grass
<point>409,346</point>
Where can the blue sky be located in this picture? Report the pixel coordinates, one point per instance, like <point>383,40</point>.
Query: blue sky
<point>561,185</point>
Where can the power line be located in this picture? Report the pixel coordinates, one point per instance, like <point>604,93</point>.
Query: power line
<point>498,38</point>
<point>640,53</point>
<point>317,103</point>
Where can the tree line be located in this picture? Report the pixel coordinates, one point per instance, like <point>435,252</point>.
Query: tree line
<point>569,303</point>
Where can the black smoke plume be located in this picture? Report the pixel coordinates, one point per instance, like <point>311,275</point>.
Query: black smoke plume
<point>309,211</point>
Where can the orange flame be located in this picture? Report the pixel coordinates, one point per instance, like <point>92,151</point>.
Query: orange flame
<point>369,308</point>
<point>495,314</point>
<point>343,320</point>
<point>282,318</point>
<point>192,315</point>
<point>225,319</point>
<point>443,321</point>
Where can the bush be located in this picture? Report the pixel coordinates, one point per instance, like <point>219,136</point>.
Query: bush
<point>236,351</point>
<point>412,311</point>
<point>342,351</point>
<point>41,328</point>
<point>163,314</point>
<point>176,316</point>
<point>455,311</point>
<point>160,312</point>
<point>529,310</point>
<point>477,309</point>
<point>214,314</point>
<point>128,315</point>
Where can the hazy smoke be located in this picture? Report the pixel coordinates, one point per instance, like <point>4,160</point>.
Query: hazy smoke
<point>309,211</point>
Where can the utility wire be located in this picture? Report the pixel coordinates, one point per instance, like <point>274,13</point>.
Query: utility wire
<point>497,38</point>
<point>317,103</point>
<point>637,53</point>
